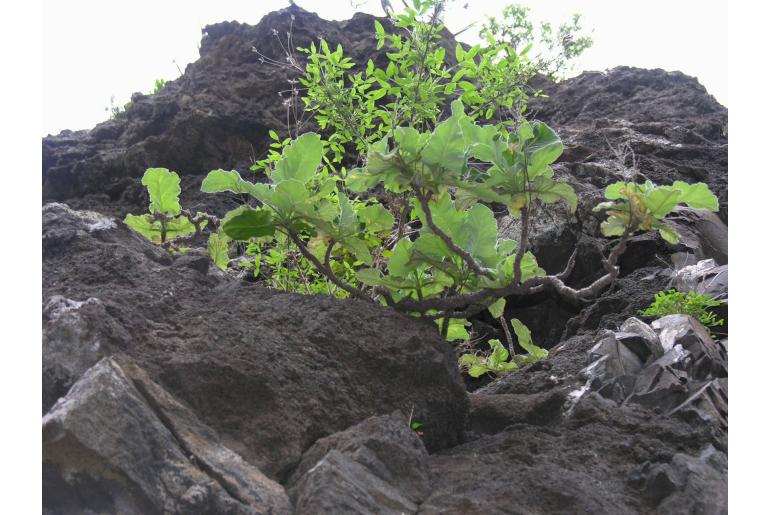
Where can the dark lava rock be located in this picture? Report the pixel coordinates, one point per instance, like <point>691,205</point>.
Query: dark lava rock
<point>377,466</point>
<point>113,445</point>
<point>289,382</point>
<point>270,372</point>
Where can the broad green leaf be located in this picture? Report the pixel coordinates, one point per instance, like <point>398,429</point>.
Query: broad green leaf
<point>477,370</point>
<point>499,353</point>
<point>300,159</point>
<point>360,180</point>
<point>616,191</point>
<point>163,187</point>
<point>250,223</point>
<point>669,234</point>
<point>179,226</point>
<point>544,149</point>
<point>218,249</point>
<point>615,225</point>
<point>359,249</point>
<point>456,329</point>
<point>376,217</point>
<point>144,225</point>
<point>478,235</point>
<point>497,308</point>
<point>446,146</point>
<point>152,229</point>
<point>662,200</point>
<point>218,181</point>
<point>525,339</point>
<point>470,360</point>
<point>347,221</point>
<point>287,196</point>
<point>410,140</point>
<point>401,263</point>
<point>697,195</point>
<point>550,191</point>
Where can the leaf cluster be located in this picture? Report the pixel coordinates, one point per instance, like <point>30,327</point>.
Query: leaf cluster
<point>697,305</point>
<point>642,207</point>
<point>501,361</point>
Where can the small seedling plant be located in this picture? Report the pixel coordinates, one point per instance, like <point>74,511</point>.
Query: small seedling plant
<point>501,361</point>
<point>697,305</point>
<point>410,226</point>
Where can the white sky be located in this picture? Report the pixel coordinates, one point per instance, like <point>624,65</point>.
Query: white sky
<point>93,50</point>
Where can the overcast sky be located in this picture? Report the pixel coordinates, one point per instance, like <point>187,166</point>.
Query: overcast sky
<point>94,50</point>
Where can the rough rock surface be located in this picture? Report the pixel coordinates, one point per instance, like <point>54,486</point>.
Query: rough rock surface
<point>121,444</point>
<point>377,466</point>
<point>272,372</point>
<point>623,417</point>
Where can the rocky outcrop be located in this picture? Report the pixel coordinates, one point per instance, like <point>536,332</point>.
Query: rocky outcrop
<point>119,443</point>
<point>169,386</point>
<point>270,372</point>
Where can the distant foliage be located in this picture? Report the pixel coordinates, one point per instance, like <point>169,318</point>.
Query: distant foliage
<point>557,47</point>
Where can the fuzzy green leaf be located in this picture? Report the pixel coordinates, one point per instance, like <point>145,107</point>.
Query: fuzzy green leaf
<point>250,223</point>
<point>163,187</point>
<point>300,159</point>
<point>217,246</point>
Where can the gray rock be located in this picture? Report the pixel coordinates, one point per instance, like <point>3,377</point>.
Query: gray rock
<point>384,445</point>
<point>688,484</point>
<point>647,346</point>
<point>707,404</point>
<point>491,413</point>
<point>661,387</point>
<point>612,368</point>
<point>703,277</point>
<point>338,484</point>
<point>271,372</point>
<point>119,443</point>
<point>699,355</point>
<point>76,334</point>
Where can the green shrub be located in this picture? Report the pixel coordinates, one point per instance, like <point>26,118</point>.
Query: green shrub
<point>410,227</point>
<point>697,305</point>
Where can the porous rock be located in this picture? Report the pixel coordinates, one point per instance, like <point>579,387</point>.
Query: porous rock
<point>115,446</point>
<point>271,372</point>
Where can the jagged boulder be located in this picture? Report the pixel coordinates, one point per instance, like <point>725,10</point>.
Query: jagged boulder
<point>377,466</point>
<point>119,443</point>
<point>270,372</point>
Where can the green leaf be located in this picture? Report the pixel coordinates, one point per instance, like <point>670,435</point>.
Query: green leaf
<point>525,340</point>
<point>477,370</point>
<point>550,191</point>
<point>446,146</point>
<point>456,330</point>
<point>163,187</point>
<point>669,234</point>
<point>497,308</point>
<point>662,200</point>
<point>218,181</point>
<point>697,195</point>
<point>250,223</point>
<point>300,159</point>
<point>615,225</point>
<point>360,180</point>
<point>616,191</point>
<point>359,249</point>
<point>544,149</point>
<point>144,225</point>
<point>499,353</point>
<point>218,249</point>
<point>376,217</point>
